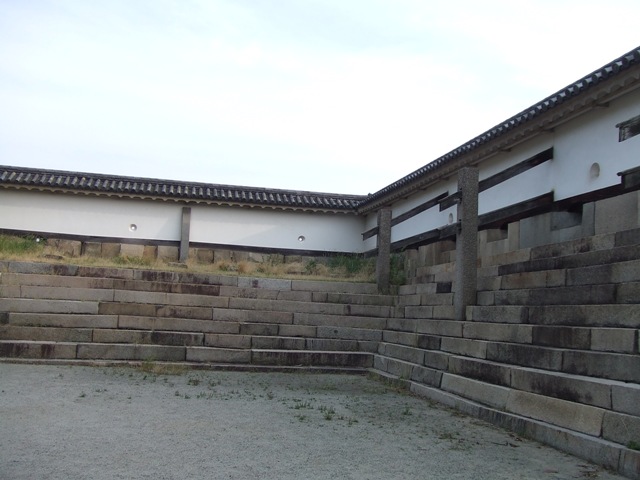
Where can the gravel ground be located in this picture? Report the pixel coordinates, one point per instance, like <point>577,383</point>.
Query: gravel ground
<point>62,422</point>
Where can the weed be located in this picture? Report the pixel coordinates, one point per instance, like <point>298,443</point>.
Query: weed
<point>407,410</point>
<point>82,395</point>
<point>301,417</point>
<point>327,412</point>
<point>270,395</point>
<point>131,261</point>
<point>633,445</point>
<point>193,381</point>
<point>26,245</point>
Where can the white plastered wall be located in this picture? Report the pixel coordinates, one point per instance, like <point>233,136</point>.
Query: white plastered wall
<point>89,216</point>
<point>332,232</point>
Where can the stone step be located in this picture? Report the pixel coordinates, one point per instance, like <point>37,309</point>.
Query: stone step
<point>577,295</point>
<point>201,279</point>
<point>590,380</point>
<point>588,432</point>
<point>623,316</point>
<point>573,261</point>
<point>164,353</point>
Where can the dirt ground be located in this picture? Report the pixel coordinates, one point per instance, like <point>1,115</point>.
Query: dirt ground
<point>62,422</point>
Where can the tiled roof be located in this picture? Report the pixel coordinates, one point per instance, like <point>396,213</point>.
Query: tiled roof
<point>577,88</point>
<point>98,184</point>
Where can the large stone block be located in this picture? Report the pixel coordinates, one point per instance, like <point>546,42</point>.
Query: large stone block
<point>590,391</point>
<point>297,330</point>
<point>449,328</point>
<point>528,356</point>
<point>485,393</point>
<point>621,428</point>
<point>131,250</point>
<point>574,416</point>
<point>349,333</point>
<point>562,337</point>
<point>45,334</point>
<point>626,398</point>
<point>279,343</point>
<point>623,340</point>
<point>64,293</point>
<point>63,320</point>
<point>408,354</point>
<point>29,305</point>
<point>465,347</point>
<point>168,253</point>
<point>217,355</point>
<point>615,366</point>
<point>482,370</point>
<point>227,341</point>
<point>586,315</point>
<point>37,350</point>
<point>499,332</point>
<point>101,351</point>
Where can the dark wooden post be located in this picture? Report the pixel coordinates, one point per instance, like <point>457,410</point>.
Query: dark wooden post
<point>466,275</point>
<point>383,265</point>
<point>184,233</point>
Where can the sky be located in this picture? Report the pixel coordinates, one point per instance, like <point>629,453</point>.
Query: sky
<point>341,96</point>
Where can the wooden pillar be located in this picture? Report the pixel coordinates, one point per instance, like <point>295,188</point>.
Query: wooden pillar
<point>383,265</point>
<point>466,274</point>
<point>184,234</point>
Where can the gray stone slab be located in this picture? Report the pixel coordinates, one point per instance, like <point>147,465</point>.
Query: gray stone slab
<point>294,357</point>
<point>42,268</point>
<point>615,366</point>
<point>625,398</point>
<point>63,320</point>
<point>402,338</point>
<point>139,309</point>
<point>217,355</point>
<point>579,295</point>
<point>630,463</point>
<point>335,344</point>
<point>418,312</point>
<point>102,351</point>
<point>562,337</point>
<point>267,283</point>
<point>28,305</point>
<point>65,293</point>
<point>485,393</point>
<point>621,428</point>
<point>498,332</point>
<point>463,346</point>
<point>586,315</point>
<point>481,370</point>
<point>349,333</point>
<point>581,418</point>
<point>623,340</point>
<point>147,337</point>
<point>368,310</point>
<point>344,321</point>
<point>278,343</point>
<point>339,287</point>
<point>426,375</point>
<point>498,314</point>
<point>259,329</point>
<point>179,324</point>
<point>297,330</point>
<point>628,293</point>
<point>227,341</point>
<point>573,388</point>
<point>408,354</point>
<point>399,368</point>
<point>402,324</point>
<point>10,291</point>
<point>45,334</point>
<point>199,313</point>
<point>37,350</point>
<point>525,355</point>
<point>286,306</point>
<point>449,328</point>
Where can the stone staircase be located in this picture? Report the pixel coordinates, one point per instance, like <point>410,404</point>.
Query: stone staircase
<point>87,314</point>
<point>551,350</point>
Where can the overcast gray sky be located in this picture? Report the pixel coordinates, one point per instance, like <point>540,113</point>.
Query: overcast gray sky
<point>326,95</point>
